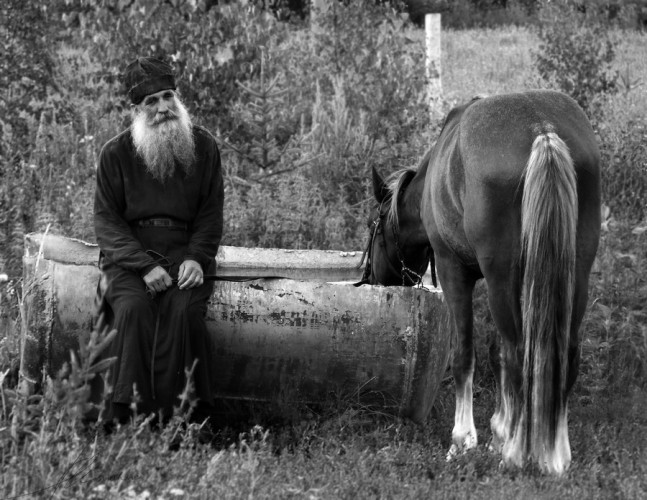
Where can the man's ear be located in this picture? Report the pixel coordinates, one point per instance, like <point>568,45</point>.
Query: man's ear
<point>135,108</point>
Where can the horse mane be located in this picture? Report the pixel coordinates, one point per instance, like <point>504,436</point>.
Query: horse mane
<point>396,182</point>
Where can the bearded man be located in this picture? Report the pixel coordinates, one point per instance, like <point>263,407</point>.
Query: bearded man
<point>158,215</point>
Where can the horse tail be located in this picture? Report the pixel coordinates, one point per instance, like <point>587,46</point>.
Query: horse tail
<point>548,231</point>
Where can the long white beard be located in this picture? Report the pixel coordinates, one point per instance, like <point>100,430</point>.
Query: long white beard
<point>164,143</point>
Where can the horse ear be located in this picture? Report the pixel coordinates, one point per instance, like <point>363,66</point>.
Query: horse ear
<point>379,186</point>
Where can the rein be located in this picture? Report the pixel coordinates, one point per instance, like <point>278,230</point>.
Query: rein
<point>368,251</point>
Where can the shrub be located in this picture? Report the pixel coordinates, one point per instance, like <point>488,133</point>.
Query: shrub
<point>211,46</point>
<point>317,198</point>
<point>325,108</point>
<point>575,56</point>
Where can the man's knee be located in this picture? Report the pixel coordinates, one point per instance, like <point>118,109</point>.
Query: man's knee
<point>197,322</point>
<point>135,306</point>
<point>197,308</point>
<point>196,313</point>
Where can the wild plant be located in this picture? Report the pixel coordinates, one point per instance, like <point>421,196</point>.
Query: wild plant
<point>575,55</point>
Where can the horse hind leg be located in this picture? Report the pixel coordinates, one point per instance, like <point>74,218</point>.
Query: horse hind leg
<point>501,420</point>
<point>458,286</point>
<point>509,430</point>
<point>506,416</point>
<point>558,459</point>
<point>506,312</point>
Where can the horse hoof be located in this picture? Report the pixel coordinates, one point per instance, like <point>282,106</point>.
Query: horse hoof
<point>468,443</point>
<point>451,454</point>
<point>495,445</point>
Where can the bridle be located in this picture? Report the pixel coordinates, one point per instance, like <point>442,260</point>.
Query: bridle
<point>368,251</point>
<point>406,272</point>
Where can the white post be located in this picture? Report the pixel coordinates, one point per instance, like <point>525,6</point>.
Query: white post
<point>319,7</point>
<point>433,73</point>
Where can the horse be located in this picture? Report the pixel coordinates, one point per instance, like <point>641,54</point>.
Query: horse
<point>509,193</point>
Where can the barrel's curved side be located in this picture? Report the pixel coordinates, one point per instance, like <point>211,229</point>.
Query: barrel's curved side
<point>314,340</point>
<point>271,339</point>
<point>433,347</point>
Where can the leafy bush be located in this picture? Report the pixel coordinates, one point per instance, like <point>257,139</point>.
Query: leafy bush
<point>318,198</point>
<point>211,46</point>
<point>335,107</point>
<point>381,70</point>
<point>575,55</point>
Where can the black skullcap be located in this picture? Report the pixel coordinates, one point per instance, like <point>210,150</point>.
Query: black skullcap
<point>147,75</point>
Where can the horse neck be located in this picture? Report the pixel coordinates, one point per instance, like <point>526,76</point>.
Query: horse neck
<point>413,236</point>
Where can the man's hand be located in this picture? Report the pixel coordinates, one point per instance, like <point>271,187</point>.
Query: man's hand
<point>190,275</point>
<point>158,279</point>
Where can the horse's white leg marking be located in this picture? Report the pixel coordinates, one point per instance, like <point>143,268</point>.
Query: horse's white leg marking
<point>551,461</point>
<point>464,432</point>
<point>557,460</point>
<point>501,421</point>
<point>513,448</point>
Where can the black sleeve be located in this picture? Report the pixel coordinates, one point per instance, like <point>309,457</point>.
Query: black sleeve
<point>208,223</point>
<point>114,236</point>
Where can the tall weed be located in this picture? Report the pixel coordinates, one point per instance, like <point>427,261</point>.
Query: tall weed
<point>624,170</point>
<point>614,349</point>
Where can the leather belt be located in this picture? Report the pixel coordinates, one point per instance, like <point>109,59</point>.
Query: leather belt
<point>162,222</point>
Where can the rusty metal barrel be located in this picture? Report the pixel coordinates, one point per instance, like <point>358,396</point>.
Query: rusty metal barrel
<point>303,338</point>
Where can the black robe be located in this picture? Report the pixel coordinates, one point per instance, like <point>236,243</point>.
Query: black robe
<point>157,339</point>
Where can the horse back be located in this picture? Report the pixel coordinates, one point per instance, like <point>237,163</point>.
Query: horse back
<point>496,134</point>
<point>475,179</point>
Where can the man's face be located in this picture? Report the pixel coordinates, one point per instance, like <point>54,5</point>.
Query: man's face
<point>162,134</point>
<point>159,107</point>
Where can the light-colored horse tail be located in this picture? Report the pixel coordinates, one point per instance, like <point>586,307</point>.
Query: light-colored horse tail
<point>548,231</point>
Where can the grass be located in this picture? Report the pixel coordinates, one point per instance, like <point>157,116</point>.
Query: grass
<point>352,453</point>
<point>492,61</point>
<point>342,450</point>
